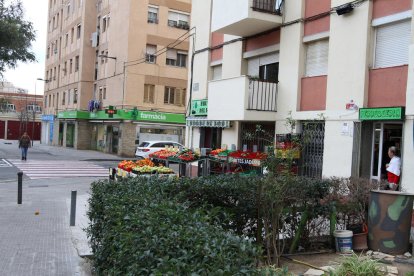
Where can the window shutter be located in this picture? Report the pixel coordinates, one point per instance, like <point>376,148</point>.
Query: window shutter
<point>217,72</point>
<point>146,93</point>
<point>392,44</point>
<point>151,93</point>
<point>253,66</point>
<point>172,54</point>
<point>317,58</point>
<point>177,96</point>
<point>153,9</point>
<point>269,59</point>
<point>173,16</point>
<point>151,49</point>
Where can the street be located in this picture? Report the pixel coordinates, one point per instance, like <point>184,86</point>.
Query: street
<point>35,237</point>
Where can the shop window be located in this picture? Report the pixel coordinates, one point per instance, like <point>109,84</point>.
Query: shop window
<point>150,55</point>
<point>174,96</point>
<point>153,14</point>
<point>149,93</point>
<point>317,58</point>
<point>176,58</point>
<point>392,43</point>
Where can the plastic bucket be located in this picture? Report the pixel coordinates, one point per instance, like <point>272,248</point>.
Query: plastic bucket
<point>343,241</point>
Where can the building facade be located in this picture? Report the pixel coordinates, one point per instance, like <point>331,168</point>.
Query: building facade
<point>118,73</point>
<point>337,71</point>
<point>19,113</point>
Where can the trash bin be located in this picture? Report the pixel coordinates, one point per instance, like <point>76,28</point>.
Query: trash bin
<point>389,221</point>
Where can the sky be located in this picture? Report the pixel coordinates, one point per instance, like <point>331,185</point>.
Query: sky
<point>25,74</point>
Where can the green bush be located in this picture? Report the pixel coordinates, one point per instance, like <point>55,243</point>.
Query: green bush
<point>138,228</point>
<point>358,266</point>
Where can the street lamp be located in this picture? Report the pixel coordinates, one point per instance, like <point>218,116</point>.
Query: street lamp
<point>34,107</point>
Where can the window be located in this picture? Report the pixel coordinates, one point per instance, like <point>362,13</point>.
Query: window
<point>178,20</point>
<point>153,14</point>
<point>55,48</point>
<point>50,25</point>
<point>217,72</point>
<point>57,20</point>
<point>317,58</point>
<point>392,44</point>
<point>54,73</point>
<point>67,10</point>
<point>70,66</point>
<point>149,93</point>
<point>76,63</point>
<point>100,94</point>
<point>78,31</point>
<point>66,39</point>
<point>63,98</point>
<point>50,100</point>
<point>72,35</point>
<point>108,19</point>
<point>53,100</point>
<point>176,58</point>
<point>102,58</point>
<point>75,96</point>
<point>48,51</point>
<point>150,56</point>
<point>104,24</point>
<point>104,93</point>
<point>174,96</point>
<point>269,72</point>
<point>54,22</point>
<point>65,68</point>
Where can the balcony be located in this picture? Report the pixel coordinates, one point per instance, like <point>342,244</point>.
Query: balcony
<point>245,17</point>
<point>242,99</point>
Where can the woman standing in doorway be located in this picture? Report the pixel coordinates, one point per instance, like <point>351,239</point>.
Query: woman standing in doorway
<point>393,169</point>
<point>24,144</point>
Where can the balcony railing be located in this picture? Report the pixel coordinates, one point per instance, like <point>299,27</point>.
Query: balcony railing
<point>268,6</point>
<point>262,95</point>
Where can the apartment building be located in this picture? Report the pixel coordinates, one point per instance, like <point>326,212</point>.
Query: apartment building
<point>339,69</point>
<point>118,72</point>
<point>20,112</point>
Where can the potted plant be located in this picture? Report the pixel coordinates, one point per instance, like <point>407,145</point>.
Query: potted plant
<point>357,201</point>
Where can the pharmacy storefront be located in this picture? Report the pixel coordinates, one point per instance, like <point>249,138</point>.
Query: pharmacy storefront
<point>119,131</point>
<point>158,126</point>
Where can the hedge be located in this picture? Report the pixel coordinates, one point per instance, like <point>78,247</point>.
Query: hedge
<point>138,228</point>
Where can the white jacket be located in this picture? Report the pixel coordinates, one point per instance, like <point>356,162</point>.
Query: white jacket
<point>395,166</point>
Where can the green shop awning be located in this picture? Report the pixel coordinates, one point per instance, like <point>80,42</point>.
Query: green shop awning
<point>131,115</point>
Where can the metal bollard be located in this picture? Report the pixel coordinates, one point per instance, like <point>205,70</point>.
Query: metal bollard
<point>73,208</point>
<point>19,187</point>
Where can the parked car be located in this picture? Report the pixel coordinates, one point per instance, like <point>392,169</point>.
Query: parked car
<point>146,148</point>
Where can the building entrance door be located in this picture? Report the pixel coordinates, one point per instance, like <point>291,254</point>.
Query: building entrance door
<point>112,139</point>
<point>385,135</point>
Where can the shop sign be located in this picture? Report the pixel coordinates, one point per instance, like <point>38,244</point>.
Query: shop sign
<point>250,162</point>
<point>208,123</point>
<point>161,117</point>
<point>73,114</point>
<point>384,113</point>
<point>48,117</point>
<point>199,107</point>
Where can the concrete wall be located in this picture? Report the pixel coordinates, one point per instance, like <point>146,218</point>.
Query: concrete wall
<point>126,146</point>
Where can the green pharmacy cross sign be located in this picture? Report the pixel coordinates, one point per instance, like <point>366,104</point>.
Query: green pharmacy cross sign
<point>111,111</point>
<point>383,113</point>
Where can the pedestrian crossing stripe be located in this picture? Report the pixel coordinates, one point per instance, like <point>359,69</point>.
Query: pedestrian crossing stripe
<point>41,169</point>
<point>5,164</point>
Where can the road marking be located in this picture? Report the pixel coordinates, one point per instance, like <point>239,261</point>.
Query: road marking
<point>41,169</point>
<point>4,163</point>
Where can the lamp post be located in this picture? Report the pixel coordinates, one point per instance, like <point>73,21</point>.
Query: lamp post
<point>34,107</point>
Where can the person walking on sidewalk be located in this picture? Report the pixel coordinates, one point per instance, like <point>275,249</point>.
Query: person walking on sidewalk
<point>24,144</point>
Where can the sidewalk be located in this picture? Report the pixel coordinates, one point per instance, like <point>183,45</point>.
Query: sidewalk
<point>10,148</point>
<point>43,243</point>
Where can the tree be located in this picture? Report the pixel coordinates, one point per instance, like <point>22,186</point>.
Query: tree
<point>16,36</point>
